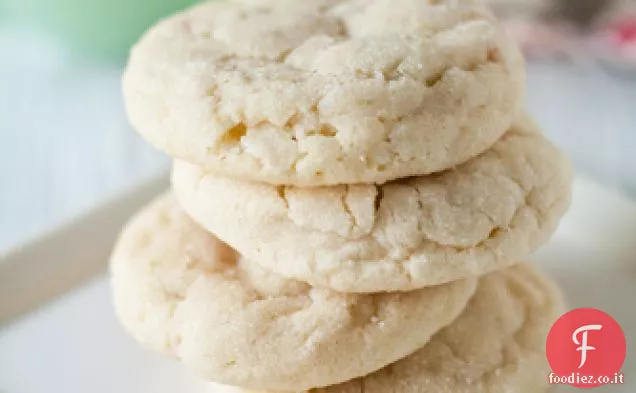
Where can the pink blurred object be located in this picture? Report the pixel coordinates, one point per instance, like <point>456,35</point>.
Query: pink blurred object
<point>579,31</point>
<point>626,31</point>
<point>615,40</point>
<point>544,39</point>
<point>623,35</point>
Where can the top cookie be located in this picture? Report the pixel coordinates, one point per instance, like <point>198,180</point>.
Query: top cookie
<point>324,92</point>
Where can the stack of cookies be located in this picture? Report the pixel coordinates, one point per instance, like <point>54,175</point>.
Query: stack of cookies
<point>354,185</point>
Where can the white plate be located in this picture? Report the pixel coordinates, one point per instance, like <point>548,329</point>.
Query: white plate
<point>74,344</point>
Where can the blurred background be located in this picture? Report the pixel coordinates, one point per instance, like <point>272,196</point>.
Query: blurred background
<point>65,145</point>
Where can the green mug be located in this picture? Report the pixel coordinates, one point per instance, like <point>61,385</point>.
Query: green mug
<point>104,28</point>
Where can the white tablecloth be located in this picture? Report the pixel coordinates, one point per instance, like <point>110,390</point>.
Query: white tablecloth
<point>65,144</point>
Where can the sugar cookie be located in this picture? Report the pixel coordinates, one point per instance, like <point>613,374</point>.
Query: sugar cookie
<point>179,290</point>
<point>481,216</point>
<point>325,92</point>
<point>497,345</point>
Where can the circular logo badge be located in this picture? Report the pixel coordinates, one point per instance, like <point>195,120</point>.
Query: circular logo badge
<point>586,348</point>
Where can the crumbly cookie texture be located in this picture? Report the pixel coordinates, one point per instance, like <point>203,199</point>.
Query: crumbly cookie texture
<point>481,216</point>
<point>179,290</point>
<point>325,92</point>
<point>497,345</point>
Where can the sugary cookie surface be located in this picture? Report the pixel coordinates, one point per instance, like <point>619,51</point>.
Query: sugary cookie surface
<point>179,290</point>
<point>476,218</point>
<point>497,345</point>
<point>322,92</point>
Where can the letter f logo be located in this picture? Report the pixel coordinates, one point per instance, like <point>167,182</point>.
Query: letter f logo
<point>583,343</point>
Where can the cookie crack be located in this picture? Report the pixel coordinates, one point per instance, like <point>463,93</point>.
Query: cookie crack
<point>420,207</point>
<point>281,190</point>
<point>294,165</point>
<point>347,208</point>
<point>482,244</point>
<point>343,30</point>
<point>402,264</point>
<point>379,196</point>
